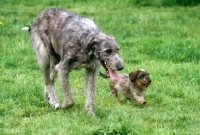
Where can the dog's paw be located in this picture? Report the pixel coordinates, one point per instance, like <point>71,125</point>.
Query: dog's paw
<point>68,104</point>
<point>52,100</point>
<point>91,113</point>
<point>54,103</point>
<point>56,106</point>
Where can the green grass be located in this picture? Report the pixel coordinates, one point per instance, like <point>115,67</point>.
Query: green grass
<point>157,36</point>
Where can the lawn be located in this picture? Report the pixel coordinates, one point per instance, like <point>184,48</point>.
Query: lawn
<point>164,39</point>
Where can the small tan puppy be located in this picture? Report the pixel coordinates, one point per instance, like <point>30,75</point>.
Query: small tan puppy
<point>132,86</point>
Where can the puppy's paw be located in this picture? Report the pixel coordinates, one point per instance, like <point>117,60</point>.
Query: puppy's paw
<point>142,101</point>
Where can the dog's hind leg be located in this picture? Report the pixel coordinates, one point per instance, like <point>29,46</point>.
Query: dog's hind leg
<point>54,66</point>
<point>49,92</point>
<point>42,52</point>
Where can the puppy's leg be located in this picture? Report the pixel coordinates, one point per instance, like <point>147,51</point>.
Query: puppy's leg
<point>139,98</point>
<point>40,46</point>
<point>114,91</point>
<point>63,75</point>
<point>142,100</point>
<point>90,90</point>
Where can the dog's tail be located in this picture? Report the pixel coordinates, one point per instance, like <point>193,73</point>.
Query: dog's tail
<point>28,28</point>
<point>104,75</point>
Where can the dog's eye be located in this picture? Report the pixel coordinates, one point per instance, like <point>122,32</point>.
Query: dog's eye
<point>142,76</point>
<point>108,51</point>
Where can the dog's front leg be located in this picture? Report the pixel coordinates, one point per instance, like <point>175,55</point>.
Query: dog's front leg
<point>90,90</point>
<point>68,99</point>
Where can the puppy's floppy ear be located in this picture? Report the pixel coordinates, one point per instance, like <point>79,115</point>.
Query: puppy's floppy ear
<point>133,76</point>
<point>92,42</point>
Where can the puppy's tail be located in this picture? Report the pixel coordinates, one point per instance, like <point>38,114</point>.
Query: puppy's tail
<point>28,28</point>
<point>104,75</point>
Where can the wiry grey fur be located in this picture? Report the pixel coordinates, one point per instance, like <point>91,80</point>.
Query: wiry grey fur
<point>63,41</point>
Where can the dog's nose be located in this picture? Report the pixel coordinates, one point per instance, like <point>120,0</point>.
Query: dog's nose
<point>149,80</point>
<point>120,67</point>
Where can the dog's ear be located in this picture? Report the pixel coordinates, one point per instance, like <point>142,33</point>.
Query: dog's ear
<point>92,42</point>
<point>133,76</point>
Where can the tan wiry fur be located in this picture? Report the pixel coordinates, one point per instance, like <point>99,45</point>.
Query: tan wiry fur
<point>132,85</point>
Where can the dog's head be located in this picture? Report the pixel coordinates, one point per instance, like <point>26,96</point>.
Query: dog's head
<point>107,51</point>
<point>141,77</point>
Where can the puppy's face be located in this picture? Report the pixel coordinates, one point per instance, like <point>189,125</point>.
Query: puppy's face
<point>141,77</point>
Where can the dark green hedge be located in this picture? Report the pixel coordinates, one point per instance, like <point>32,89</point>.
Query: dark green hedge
<point>166,2</point>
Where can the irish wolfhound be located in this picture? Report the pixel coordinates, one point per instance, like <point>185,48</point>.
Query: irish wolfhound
<point>64,41</point>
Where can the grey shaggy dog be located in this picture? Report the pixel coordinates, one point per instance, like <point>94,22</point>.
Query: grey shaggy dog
<point>63,41</point>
